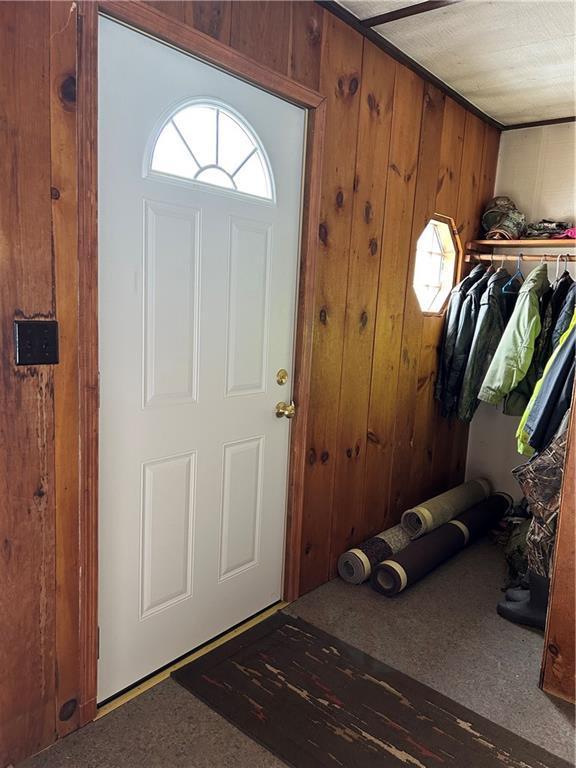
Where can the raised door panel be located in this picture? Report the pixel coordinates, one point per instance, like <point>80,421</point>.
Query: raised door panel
<point>167,523</point>
<point>171,303</point>
<point>241,506</point>
<point>248,310</point>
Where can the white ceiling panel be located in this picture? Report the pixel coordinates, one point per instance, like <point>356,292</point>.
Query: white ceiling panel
<point>513,59</point>
<point>365,9</point>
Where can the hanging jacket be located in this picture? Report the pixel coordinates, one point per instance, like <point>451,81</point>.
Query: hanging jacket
<point>464,335</point>
<point>513,357</point>
<point>551,398</point>
<point>550,316</point>
<point>540,480</point>
<point>565,316</point>
<point>495,309</point>
<point>550,305</point>
<point>457,296</point>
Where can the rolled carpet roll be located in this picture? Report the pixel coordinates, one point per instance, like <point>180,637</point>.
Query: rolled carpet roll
<point>440,509</point>
<point>355,565</point>
<point>421,556</point>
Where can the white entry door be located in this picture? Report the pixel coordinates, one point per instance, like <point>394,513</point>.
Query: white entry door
<point>200,178</point>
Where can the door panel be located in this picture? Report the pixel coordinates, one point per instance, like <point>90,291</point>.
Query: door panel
<point>241,506</point>
<point>172,248</point>
<point>248,307</point>
<point>167,489</point>
<point>197,294</point>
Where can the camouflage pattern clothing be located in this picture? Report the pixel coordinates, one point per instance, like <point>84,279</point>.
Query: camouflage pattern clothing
<point>541,481</point>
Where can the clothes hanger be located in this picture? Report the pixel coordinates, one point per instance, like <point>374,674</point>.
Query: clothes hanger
<point>565,272</point>
<point>509,287</point>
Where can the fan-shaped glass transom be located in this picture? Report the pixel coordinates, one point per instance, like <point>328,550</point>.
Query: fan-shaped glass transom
<point>207,143</point>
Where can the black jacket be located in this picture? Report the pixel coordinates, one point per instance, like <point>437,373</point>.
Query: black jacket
<point>493,314</point>
<point>464,335</point>
<point>565,316</point>
<point>551,313</point>
<point>553,399</point>
<point>450,334</point>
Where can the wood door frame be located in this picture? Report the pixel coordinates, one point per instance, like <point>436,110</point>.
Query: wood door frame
<point>166,29</point>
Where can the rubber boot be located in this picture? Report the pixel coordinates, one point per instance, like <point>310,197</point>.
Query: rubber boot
<point>531,612</point>
<point>517,595</point>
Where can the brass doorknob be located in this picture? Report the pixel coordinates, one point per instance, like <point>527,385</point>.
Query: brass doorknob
<point>285,409</point>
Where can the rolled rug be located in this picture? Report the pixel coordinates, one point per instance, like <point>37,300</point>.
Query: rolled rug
<point>394,574</point>
<point>440,509</point>
<point>355,565</point>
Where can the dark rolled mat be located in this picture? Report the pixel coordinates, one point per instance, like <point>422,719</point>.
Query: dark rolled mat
<point>421,556</point>
<point>355,565</point>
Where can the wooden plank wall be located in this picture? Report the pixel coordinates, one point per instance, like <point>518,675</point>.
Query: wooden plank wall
<point>396,150</point>
<point>558,674</point>
<point>27,499</point>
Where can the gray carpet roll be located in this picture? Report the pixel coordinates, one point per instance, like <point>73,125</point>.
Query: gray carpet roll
<point>440,509</point>
<point>421,556</point>
<point>355,565</point>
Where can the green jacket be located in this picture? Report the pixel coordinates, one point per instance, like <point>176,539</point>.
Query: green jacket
<point>522,435</point>
<point>512,359</point>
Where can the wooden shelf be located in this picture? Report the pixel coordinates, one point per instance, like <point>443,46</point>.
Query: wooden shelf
<point>475,257</point>
<point>481,245</point>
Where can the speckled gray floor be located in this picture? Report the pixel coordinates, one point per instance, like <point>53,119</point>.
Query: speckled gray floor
<point>444,632</point>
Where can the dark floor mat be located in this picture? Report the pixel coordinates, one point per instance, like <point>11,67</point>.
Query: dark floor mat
<point>315,701</point>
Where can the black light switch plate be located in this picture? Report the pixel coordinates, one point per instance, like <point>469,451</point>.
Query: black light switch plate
<point>36,342</point>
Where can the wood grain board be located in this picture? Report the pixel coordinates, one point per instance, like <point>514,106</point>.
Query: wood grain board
<point>559,663</point>
<point>394,272</point>
<point>64,194</point>
<point>27,476</point>
<point>340,80</point>
<point>374,130</point>
<point>394,150</point>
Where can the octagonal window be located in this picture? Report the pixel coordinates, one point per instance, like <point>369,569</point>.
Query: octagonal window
<point>437,251</point>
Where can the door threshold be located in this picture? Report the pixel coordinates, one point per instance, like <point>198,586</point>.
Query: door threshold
<point>163,674</point>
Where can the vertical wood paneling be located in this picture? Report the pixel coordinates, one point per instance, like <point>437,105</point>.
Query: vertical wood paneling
<point>489,164</point>
<point>340,81</point>
<point>468,216</point>
<point>470,186</point>
<point>63,77</point>
<point>450,159</point>
<point>395,259</point>
<point>376,102</point>
<point>558,674</point>
<point>213,17</point>
<point>27,539</point>
<point>439,429</point>
<point>307,25</point>
<point>428,480</point>
<point>88,354</point>
<point>261,30</point>
<point>409,456</point>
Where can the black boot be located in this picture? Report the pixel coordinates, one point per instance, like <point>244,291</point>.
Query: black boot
<point>517,595</point>
<point>531,612</point>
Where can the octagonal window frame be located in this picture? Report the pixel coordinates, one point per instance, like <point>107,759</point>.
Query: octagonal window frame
<point>452,232</point>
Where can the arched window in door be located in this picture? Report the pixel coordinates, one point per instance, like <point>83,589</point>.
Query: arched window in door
<point>209,143</point>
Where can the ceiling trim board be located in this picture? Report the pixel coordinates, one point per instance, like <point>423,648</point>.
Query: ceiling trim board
<point>346,16</point>
<point>538,123</point>
<point>410,10</point>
